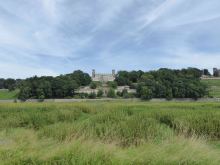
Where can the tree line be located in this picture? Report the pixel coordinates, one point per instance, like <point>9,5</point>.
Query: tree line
<point>63,86</point>
<point>163,83</point>
<point>10,84</point>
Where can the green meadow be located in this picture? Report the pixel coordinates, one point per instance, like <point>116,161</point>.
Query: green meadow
<point>118,132</point>
<point>214,87</point>
<point>5,94</point>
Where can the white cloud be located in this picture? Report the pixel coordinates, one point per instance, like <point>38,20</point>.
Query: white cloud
<point>50,8</point>
<point>20,71</point>
<point>156,13</point>
<point>125,33</point>
<point>189,58</point>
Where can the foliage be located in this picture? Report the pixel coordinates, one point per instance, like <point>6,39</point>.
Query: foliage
<point>24,93</point>
<point>109,133</point>
<point>126,78</point>
<point>92,95</point>
<point>111,93</point>
<point>9,83</point>
<point>146,93</point>
<point>93,85</point>
<point>100,93</point>
<point>112,84</point>
<point>163,83</point>
<point>53,87</point>
<point>166,83</point>
<point>206,72</point>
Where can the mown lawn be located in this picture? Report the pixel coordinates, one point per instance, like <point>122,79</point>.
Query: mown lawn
<point>214,87</point>
<point>118,132</point>
<point>5,94</point>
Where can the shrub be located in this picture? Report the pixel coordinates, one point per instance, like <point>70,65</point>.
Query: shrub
<point>146,93</point>
<point>92,95</point>
<point>100,93</point>
<point>111,93</point>
<point>93,85</point>
<point>112,85</point>
<point>118,93</point>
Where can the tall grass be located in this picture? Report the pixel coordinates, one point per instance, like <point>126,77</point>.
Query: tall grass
<point>109,133</point>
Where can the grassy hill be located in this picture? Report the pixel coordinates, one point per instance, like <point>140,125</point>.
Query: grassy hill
<point>214,87</point>
<point>5,94</point>
<point>110,133</point>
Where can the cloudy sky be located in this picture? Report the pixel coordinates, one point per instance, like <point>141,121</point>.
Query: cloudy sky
<point>52,37</point>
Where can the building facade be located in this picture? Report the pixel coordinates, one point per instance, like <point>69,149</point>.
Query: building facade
<point>102,77</point>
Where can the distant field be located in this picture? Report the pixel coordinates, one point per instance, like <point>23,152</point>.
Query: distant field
<point>118,132</point>
<point>214,87</point>
<point>5,94</point>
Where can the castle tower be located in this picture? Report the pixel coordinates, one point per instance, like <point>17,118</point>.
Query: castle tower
<point>93,73</point>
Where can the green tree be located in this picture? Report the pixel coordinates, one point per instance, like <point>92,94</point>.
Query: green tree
<point>169,94</point>
<point>92,95</point>
<point>40,93</point>
<point>93,85</point>
<point>10,84</point>
<point>146,93</point>
<point>112,85</point>
<point>111,93</point>
<point>25,93</point>
<point>100,93</point>
<point>2,83</point>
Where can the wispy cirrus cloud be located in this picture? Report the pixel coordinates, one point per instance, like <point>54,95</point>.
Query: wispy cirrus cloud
<point>50,37</point>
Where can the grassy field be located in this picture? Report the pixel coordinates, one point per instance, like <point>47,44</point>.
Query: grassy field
<point>110,133</point>
<point>5,94</point>
<point>214,87</point>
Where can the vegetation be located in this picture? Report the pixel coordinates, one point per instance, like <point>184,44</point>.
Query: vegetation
<point>10,84</point>
<point>111,93</point>
<point>92,95</point>
<point>5,94</point>
<point>165,83</point>
<point>109,133</point>
<point>53,87</point>
<point>112,85</point>
<point>100,93</point>
<point>93,85</point>
<point>213,87</point>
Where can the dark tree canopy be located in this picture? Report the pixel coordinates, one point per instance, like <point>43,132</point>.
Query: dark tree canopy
<point>53,87</point>
<point>165,83</point>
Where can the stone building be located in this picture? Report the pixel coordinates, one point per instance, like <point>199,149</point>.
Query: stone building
<point>102,77</point>
<point>216,72</point>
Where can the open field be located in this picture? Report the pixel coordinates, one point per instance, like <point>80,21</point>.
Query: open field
<point>5,94</point>
<point>214,87</point>
<point>110,133</point>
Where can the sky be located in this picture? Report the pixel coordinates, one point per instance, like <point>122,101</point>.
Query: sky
<point>52,37</point>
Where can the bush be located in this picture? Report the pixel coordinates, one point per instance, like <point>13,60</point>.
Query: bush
<point>146,93</point>
<point>25,93</point>
<point>100,93</point>
<point>92,95</point>
<point>112,85</point>
<point>111,93</point>
<point>93,85</point>
<point>118,93</point>
<point>124,92</point>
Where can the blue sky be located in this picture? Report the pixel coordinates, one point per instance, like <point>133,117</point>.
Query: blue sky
<point>52,37</point>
